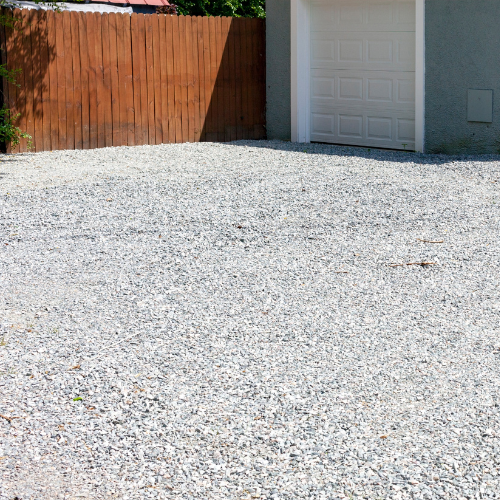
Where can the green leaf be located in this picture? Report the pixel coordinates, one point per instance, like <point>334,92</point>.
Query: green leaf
<point>77,399</point>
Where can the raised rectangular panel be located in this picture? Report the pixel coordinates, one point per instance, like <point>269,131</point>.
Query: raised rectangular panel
<point>406,90</point>
<point>321,14</point>
<point>406,130</point>
<point>351,12</point>
<point>322,124</point>
<point>322,50</point>
<point>405,52</point>
<point>480,106</point>
<point>379,90</point>
<point>323,87</point>
<point>380,51</point>
<point>351,88</point>
<point>351,50</point>
<point>379,128</point>
<point>406,12</point>
<point>350,126</point>
<point>381,13</point>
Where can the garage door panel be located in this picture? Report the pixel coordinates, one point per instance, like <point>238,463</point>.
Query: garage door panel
<point>346,127</point>
<point>363,72</point>
<point>353,15</point>
<point>371,51</point>
<point>371,87</point>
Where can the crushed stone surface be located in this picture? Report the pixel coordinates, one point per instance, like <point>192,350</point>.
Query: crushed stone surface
<point>239,321</point>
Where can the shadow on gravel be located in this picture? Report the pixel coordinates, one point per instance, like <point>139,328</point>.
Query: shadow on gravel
<point>368,153</point>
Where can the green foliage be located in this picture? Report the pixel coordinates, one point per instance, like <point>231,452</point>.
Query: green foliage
<point>9,133</point>
<point>230,8</point>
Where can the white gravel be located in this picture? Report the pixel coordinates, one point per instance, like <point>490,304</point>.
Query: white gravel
<point>230,320</point>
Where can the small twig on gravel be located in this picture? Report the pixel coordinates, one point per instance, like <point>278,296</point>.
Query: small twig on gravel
<point>414,264</point>
<point>10,419</point>
<point>430,241</point>
<point>341,272</point>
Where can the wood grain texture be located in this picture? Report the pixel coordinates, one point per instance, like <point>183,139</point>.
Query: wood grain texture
<point>148,25</point>
<point>92,74</point>
<point>157,78</point>
<point>129,81</point>
<point>37,83</point>
<point>115,83</point>
<point>106,82</point>
<point>163,76</point>
<point>99,78</point>
<point>177,79</point>
<point>61,80</point>
<point>77,79</point>
<point>195,28</point>
<point>169,40</point>
<point>84,78</point>
<point>189,78</point>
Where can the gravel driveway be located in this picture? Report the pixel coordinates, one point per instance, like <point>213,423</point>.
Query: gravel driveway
<point>221,322</point>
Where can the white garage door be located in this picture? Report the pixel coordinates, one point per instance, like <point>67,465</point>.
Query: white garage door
<point>363,72</point>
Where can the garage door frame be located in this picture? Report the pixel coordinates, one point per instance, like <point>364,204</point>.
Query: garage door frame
<point>300,71</point>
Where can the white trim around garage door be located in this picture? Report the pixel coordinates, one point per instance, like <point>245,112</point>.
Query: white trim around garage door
<point>300,70</point>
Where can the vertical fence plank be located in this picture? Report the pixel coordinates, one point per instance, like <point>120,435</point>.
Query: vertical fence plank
<point>129,80</point>
<point>115,84</point>
<point>4,97</point>
<point>226,77</point>
<point>61,81</point>
<point>231,42</point>
<point>195,26</point>
<point>8,57</point>
<point>37,81</point>
<point>183,79</point>
<point>68,76</point>
<point>77,79</point>
<point>84,78</point>
<point>201,77</point>
<point>177,78</point>
<point>150,79</point>
<point>45,55</point>
<point>143,79</point>
<point>207,78</point>
<point>136,56</point>
<point>221,45</point>
<point>26,94</point>
<point>99,78</point>
<point>261,79</point>
<point>163,77</point>
<point>169,28</point>
<point>157,77</point>
<point>122,98</point>
<point>245,75</point>
<point>189,82</point>
<point>92,72</point>
<point>20,106</point>
<point>52,70</point>
<point>253,78</point>
<point>210,120</point>
<point>106,81</point>
<point>238,81</point>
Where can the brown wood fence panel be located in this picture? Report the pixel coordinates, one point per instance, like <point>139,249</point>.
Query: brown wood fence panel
<point>91,80</point>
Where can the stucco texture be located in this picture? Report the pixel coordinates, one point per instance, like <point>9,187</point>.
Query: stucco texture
<point>462,53</point>
<point>278,77</point>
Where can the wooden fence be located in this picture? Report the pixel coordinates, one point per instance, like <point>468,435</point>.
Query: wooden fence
<point>92,80</point>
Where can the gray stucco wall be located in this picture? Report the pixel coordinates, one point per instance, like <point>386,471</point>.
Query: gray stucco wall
<point>462,52</point>
<point>278,112</point>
